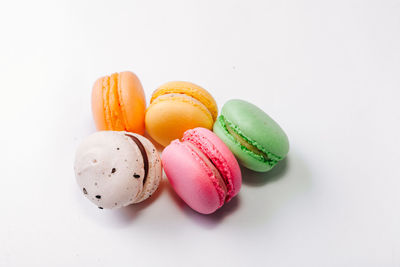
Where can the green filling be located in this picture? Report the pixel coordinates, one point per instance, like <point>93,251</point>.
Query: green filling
<point>246,143</point>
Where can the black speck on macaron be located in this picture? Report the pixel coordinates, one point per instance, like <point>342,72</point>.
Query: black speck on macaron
<point>98,197</point>
<point>117,148</point>
<point>136,175</point>
<point>101,208</point>
<point>113,170</point>
<point>84,191</point>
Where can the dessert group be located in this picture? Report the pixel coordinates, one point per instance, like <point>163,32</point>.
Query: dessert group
<point>117,166</point>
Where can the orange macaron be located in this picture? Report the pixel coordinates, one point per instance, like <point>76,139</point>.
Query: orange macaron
<point>118,103</point>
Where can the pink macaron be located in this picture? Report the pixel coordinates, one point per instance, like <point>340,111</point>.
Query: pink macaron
<point>202,170</point>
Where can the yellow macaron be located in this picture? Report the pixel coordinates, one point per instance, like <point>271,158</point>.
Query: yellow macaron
<point>176,107</point>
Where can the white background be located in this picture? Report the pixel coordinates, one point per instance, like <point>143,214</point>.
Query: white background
<point>327,71</point>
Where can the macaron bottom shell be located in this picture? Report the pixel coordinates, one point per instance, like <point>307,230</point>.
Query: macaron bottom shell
<point>154,174</point>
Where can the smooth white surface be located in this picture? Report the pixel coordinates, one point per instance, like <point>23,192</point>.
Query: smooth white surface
<point>327,71</point>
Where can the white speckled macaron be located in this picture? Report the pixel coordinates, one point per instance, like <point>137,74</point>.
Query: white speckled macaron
<point>116,169</point>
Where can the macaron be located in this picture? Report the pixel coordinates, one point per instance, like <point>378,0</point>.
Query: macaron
<point>257,141</point>
<point>115,169</point>
<point>202,170</point>
<point>118,103</point>
<point>176,107</point>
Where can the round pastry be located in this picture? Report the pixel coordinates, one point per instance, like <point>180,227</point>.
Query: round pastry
<point>115,169</point>
<point>118,103</point>
<point>176,107</point>
<point>202,170</point>
<point>257,141</point>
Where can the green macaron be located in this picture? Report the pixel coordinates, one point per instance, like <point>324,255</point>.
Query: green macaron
<point>257,141</point>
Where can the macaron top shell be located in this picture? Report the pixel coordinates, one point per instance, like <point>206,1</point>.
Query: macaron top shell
<point>189,89</point>
<point>254,137</point>
<point>111,170</point>
<point>202,170</point>
<point>118,103</point>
